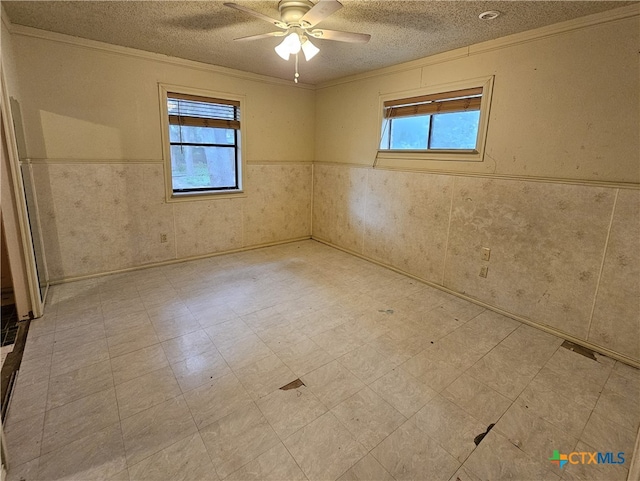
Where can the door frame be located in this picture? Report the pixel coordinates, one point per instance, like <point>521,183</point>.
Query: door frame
<point>18,209</point>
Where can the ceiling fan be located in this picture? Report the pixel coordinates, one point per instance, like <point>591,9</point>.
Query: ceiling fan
<point>297,21</point>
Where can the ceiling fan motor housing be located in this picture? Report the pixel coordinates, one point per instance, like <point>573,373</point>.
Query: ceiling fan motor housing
<point>291,11</point>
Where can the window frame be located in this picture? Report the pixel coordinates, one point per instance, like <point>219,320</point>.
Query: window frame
<point>432,158</point>
<point>200,194</point>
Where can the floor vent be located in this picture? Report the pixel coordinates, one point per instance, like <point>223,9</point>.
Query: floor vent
<point>579,350</point>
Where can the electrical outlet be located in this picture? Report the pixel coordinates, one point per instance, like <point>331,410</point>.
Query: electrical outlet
<point>486,253</point>
<point>484,270</point>
<point>163,238</point>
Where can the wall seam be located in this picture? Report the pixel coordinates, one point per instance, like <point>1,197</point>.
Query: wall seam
<point>446,245</point>
<point>364,214</point>
<point>242,226</point>
<point>604,257</point>
<point>175,232</point>
<point>313,193</point>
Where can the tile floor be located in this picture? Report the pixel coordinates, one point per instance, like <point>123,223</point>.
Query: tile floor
<point>173,373</point>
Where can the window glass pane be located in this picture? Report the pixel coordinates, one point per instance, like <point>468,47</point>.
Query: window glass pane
<point>458,130</point>
<point>201,135</point>
<point>194,167</point>
<point>384,137</point>
<point>410,132</point>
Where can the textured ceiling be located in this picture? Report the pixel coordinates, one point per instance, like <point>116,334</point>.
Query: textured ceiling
<point>204,30</point>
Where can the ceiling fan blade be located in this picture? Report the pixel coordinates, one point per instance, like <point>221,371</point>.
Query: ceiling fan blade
<point>320,11</point>
<point>259,15</point>
<point>350,37</point>
<point>258,37</point>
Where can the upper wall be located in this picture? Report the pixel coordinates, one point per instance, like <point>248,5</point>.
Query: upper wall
<point>103,104</point>
<point>556,108</point>
<point>91,117</point>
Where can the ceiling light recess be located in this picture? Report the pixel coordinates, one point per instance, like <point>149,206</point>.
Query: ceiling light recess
<point>489,15</point>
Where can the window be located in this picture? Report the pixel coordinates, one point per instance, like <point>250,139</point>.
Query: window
<point>434,125</point>
<point>203,139</point>
<point>439,121</point>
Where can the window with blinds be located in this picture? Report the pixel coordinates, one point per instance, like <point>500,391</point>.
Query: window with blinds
<point>204,143</point>
<point>446,121</point>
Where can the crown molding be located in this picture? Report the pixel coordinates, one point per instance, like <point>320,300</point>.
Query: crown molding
<point>557,29</point>
<point>143,54</point>
<point>6,23</point>
<point>401,67</point>
<point>502,42</point>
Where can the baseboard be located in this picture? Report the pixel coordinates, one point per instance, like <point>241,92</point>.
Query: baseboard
<point>174,261</point>
<point>551,330</point>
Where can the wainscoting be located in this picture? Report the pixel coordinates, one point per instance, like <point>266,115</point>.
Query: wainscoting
<point>101,217</point>
<point>563,256</point>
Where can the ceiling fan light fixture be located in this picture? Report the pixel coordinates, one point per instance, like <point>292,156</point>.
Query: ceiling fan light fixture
<point>291,45</point>
<point>298,19</point>
<point>308,49</point>
<point>283,50</point>
<point>294,42</point>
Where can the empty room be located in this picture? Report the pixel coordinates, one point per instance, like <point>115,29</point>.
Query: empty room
<point>320,240</point>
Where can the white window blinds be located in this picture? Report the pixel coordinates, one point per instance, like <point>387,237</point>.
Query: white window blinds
<point>194,111</point>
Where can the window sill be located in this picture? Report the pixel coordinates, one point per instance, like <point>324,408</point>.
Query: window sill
<point>424,160</point>
<point>205,195</point>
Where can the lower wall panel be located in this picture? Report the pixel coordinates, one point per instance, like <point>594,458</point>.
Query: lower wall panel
<point>564,256</point>
<point>103,217</point>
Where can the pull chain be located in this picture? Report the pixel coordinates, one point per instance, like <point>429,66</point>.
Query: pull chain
<point>295,78</point>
